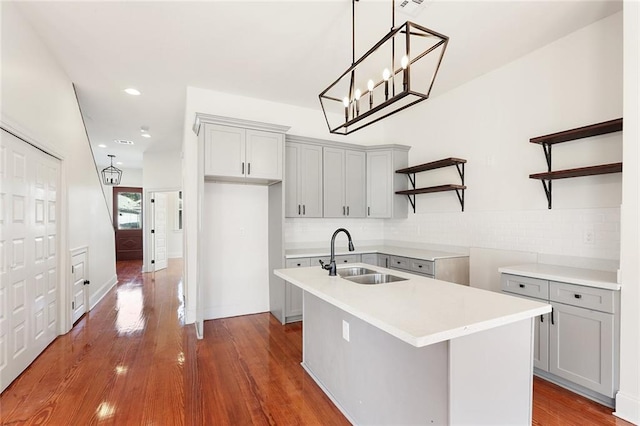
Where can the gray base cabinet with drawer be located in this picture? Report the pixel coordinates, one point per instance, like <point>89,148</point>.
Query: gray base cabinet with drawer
<point>453,269</point>
<point>577,344</point>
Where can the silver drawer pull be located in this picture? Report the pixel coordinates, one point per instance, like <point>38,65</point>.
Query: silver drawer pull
<point>577,296</point>
<point>521,285</point>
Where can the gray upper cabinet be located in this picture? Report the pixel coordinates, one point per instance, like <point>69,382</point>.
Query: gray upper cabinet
<point>242,154</point>
<point>344,182</point>
<point>303,194</point>
<point>383,182</point>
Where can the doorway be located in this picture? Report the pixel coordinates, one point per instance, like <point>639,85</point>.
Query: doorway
<point>163,228</point>
<point>127,222</point>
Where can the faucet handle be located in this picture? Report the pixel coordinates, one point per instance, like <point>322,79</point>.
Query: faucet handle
<point>324,265</point>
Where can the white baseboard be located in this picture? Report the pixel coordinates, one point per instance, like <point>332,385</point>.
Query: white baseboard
<point>102,291</point>
<point>628,407</point>
<point>233,311</point>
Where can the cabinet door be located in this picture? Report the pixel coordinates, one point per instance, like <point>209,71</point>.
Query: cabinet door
<point>333,170</point>
<point>581,347</point>
<point>310,180</point>
<point>541,341</point>
<point>370,258</point>
<point>224,149</point>
<point>264,155</point>
<point>293,294</point>
<point>355,183</point>
<point>292,181</point>
<point>383,260</point>
<point>379,184</point>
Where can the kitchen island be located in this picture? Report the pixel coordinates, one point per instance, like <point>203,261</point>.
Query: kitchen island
<point>417,351</point>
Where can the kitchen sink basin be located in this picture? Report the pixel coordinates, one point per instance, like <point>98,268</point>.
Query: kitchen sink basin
<point>354,271</point>
<point>374,279</point>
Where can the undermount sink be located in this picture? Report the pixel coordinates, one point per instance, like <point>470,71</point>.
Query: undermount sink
<point>375,278</point>
<point>354,271</point>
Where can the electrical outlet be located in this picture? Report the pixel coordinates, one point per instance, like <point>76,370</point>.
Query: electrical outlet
<point>588,237</point>
<point>345,330</point>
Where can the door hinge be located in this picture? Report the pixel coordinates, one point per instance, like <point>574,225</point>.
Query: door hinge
<point>153,262</point>
<point>73,305</point>
<point>87,282</point>
<point>153,231</point>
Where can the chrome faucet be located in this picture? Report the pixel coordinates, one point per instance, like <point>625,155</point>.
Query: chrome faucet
<point>331,267</point>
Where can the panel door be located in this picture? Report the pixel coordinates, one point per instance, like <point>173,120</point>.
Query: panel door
<point>160,231</point>
<point>333,182</point>
<point>581,347</point>
<point>310,180</point>
<point>355,183</point>
<point>264,155</point>
<point>224,150</point>
<point>79,275</point>
<point>127,222</point>
<point>28,254</point>
<point>379,184</point>
<point>292,205</point>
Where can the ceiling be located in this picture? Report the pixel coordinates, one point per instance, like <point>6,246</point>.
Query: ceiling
<point>282,51</point>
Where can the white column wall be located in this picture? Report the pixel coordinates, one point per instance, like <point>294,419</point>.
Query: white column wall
<point>628,398</point>
<point>39,103</point>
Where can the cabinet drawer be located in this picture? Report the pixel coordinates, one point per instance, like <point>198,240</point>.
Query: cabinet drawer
<point>298,263</point>
<point>345,258</point>
<point>422,266</point>
<point>597,299</point>
<point>398,262</point>
<point>525,286</point>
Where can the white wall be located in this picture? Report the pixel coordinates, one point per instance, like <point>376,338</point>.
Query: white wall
<point>162,170</point>
<point>38,101</point>
<point>571,82</point>
<point>628,398</point>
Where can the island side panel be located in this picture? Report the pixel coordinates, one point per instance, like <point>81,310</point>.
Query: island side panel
<point>374,378</point>
<point>491,376</point>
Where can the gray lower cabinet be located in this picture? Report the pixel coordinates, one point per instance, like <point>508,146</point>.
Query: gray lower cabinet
<point>576,345</point>
<point>454,269</point>
<point>293,294</point>
<point>370,258</point>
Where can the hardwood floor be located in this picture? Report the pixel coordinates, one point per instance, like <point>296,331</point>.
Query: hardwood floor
<point>131,361</point>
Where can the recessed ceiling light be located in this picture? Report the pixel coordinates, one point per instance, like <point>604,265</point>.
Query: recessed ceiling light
<point>132,91</point>
<point>123,142</point>
<point>102,145</point>
<point>146,135</point>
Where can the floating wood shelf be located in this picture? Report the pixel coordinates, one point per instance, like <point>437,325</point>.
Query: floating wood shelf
<point>603,128</point>
<point>547,141</point>
<point>579,172</point>
<point>446,162</point>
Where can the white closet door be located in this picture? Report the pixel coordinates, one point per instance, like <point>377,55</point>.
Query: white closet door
<point>28,254</point>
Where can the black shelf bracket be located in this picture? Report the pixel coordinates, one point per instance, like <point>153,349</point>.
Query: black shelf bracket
<point>460,192</point>
<point>412,198</point>
<point>546,183</point>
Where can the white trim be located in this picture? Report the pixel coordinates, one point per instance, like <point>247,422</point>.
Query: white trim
<point>13,127</point>
<point>202,118</point>
<point>627,408</point>
<point>102,292</point>
<point>323,142</point>
<point>147,221</point>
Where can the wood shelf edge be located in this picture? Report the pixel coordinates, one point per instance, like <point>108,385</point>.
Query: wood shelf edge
<point>597,129</point>
<point>430,189</point>
<point>445,162</point>
<point>579,172</point>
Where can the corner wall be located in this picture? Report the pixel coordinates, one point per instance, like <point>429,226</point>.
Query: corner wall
<point>39,102</point>
<point>572,82</point>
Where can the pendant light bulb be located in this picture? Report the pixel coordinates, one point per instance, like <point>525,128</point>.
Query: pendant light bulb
<point>404,62</point>
<point>345,102</point>
<point>386,74</point>
<point>370,85</point>
<point>358,94</point>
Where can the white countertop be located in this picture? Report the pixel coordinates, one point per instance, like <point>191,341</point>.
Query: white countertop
<point>424,254</point>
<point>420,311</point>
<point>565,274</point>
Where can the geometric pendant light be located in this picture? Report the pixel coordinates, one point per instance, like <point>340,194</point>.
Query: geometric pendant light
<point>111,175</point>
<point>396,73</point>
